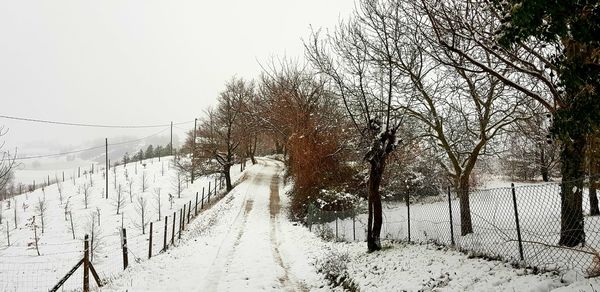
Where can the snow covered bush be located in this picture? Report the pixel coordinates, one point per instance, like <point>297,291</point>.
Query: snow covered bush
<point>333,265</point>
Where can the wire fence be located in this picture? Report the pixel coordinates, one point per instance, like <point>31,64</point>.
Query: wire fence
<point>22,269</point>
<point>520,224</point>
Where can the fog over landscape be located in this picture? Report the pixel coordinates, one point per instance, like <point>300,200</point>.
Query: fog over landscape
<point>135,62</point>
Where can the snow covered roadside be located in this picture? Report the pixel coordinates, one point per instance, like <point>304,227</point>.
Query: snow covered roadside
<point>407,267</point>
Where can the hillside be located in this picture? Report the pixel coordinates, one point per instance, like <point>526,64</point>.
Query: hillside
<point>22,269</point>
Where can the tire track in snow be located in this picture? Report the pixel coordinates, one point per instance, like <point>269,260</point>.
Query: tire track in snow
<point>287,279</point>
<point>225,253</point>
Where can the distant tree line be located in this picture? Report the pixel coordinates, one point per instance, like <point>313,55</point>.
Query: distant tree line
<point>150,152</point>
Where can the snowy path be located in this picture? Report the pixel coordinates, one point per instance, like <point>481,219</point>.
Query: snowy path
<point>236,245</point>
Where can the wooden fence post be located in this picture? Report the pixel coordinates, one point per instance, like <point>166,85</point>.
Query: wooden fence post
<point>202,202</point>
<point>451,221</point>
<point>180,222</point>
<point>165,234</point>
<point>124,247</point>
<point>196,206</point>
<point>189,208</point>
<point>183,218</point>
<point>86,264</point>
<point>209,190</point>
<point>150,242</point>
<point>514,197</point>
<point>173,232</point>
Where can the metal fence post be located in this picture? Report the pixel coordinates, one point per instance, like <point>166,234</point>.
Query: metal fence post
<point>408,214</point>
<point>514,197</point>
<point>451,221</point>
<point>196,206</point>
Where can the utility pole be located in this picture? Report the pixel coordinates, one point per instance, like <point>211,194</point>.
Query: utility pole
<point>107,165</point>
<point>171,139</point>
<point>194,150</point>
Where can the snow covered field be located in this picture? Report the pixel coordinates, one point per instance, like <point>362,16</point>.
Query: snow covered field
<point>21,269</point>
<point>495,232</point>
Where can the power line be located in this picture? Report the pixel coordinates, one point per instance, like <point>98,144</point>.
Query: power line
<point>88,149</point>
<point>91,125</point>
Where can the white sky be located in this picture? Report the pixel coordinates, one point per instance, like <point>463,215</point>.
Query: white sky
<point>136,62</point>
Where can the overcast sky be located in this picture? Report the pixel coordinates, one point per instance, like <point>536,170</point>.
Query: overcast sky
<point>136,62</point>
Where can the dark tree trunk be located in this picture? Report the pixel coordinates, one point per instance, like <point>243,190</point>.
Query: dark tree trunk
<point>374,197</point>
<point>593,175</point>
<point>571,218</point>
<point>543,165</point>
<point>466,224</point>
<point>253,151</point>
<point>594,210</point>
<point>227,173</point>
<point>278,147</point>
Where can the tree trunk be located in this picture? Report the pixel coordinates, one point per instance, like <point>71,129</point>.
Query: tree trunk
<point>594,210</point>
<point>466,224</point>
<point>543,166</point>
<point>593,175</point>
<point>227,173</point>
<point>374,198</point>
<point>571,218</point>
<point>253,151</point>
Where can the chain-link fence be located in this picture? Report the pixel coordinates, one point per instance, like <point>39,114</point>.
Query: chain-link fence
<point>518,224</point>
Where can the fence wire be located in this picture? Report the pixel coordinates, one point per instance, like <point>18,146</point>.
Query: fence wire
<point>494,226</point>
<point>21,269</point>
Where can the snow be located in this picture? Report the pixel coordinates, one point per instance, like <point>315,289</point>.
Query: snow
<point>241,244</point>
<point>245,242</point>
<point>21,269</point>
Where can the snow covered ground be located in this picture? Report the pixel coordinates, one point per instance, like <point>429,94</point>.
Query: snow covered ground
<point>246,243</point>
<point>22,269</point>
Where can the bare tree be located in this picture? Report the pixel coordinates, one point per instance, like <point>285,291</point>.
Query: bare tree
<point>41,208</point>
<point>141,207</point>
<point>221,130</point>
<point>119,201</point>
<point>59,187</point>
<point>85,190</point>
<point>536,64</point>
<point>178,182</point>
<point>359,60</point>
<point>157,199</point>
<point>97,241</point>
<point>130,182</point>
<point>144,181</point>
<point>7,162</point>
<point>67,207</point>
